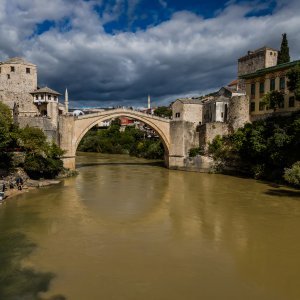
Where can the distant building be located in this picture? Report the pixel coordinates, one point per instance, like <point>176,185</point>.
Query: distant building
<point>46,101</point>
<point>262,81</point>
<point>187,109</point>
<point>216,110</point>
<point>261,58</point>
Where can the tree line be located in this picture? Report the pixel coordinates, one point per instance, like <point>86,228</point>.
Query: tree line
<point>42,159</point>
<point>131,141</point>
<point>266,149</point>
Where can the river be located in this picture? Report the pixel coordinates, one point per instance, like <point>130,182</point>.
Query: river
<point>126,229</point>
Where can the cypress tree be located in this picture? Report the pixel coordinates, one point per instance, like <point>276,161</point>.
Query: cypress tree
<point>284,53</point>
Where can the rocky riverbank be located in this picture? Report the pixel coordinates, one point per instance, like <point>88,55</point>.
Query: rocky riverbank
<point>28,184</point>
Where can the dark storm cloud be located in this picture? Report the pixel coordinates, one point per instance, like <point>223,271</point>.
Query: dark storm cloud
<point>185,55</point>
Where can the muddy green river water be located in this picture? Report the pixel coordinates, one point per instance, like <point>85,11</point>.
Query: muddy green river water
<point>127,229</point>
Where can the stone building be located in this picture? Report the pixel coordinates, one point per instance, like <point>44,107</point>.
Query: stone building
<point>215,109</point>
<point>265,80</point>
<point>46,101</point>
<point>18,78</point>
<point>30,105</point>
<point>261,58</point>
<point>186,117</point>
<point>187,109</point>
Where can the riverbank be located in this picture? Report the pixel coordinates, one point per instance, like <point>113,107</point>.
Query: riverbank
<point>29,184</point>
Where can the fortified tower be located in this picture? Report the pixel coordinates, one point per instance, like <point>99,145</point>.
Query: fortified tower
<point>18,78</point>
<point>261,58</point>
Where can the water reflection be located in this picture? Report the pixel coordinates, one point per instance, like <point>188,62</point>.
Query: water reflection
<point>16,280</point>
<point>124,230</point>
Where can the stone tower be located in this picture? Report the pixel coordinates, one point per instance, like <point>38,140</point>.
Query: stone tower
<point>149,102</point>
<point>66,101</point>
<point>255,60</point>
<point>238,113</point>
<point>18,78</point>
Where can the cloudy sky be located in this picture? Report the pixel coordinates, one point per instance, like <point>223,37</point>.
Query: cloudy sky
<point>115,52</point>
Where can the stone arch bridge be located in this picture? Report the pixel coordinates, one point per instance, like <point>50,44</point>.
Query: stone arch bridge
<point>72,129</point>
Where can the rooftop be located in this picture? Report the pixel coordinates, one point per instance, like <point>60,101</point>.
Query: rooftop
<point>17,60</point>
<point>190,101</point>
<point>270,70</point>
<point>45,90</point>
<point>255,52</point>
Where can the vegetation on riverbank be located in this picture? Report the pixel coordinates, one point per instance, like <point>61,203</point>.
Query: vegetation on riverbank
<point>132,141</point>
<point>41,158</point>
<point>266,149</point>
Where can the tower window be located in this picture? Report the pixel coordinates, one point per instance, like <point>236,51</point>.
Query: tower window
<point>42,97</point>
<point>272,84</point>
<point>177,115</point>
<point>12,69</point>
<point>36,97</point>
<point>261,106</point>
<point>8,76</point>
<point>49,97</point>
<point>292,102</point>
<point>253,90</point>
<point>27,70</point>
<point>261,87</point>
<point>282,83</point>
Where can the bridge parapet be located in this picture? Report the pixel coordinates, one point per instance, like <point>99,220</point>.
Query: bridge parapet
<point>125,111</point>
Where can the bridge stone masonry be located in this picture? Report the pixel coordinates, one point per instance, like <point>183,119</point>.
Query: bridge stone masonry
<point>72,129</point>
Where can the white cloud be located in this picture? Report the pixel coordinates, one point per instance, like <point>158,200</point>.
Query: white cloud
<point>185,55</point>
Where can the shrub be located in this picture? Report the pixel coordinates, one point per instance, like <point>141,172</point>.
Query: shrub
<point>196,151</point>
<point>38,166</point>
<point>292,175</point>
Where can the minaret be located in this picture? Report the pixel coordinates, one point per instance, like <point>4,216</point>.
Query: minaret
<point>149,102</point>
<point>67,101</point>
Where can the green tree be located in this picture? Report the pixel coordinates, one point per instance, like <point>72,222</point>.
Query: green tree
<point>292,175</point>
<point>274,100</point>
<point>33,140</point>
<point>294,81</point>
<point>284,53</point>
<point>6,123</point>
<point>163,111</point>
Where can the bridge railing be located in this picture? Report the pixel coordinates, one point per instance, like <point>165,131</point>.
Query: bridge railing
<point>121,110</point>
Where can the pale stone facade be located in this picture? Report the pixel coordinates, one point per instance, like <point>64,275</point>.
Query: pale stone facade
<point>216,110</point>
<point>187,110</point>
<point>261,58</point>
<point>255,60</point>
<point>186,118</point>
<point>270,79</point>
<point>30,105</point>
<point>18,78</point>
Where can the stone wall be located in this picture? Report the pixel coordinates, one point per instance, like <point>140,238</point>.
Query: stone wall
<point>17,80</point>
<point>190,110</point>
<point>183,136</point>
<point>259,59</point>
<point>209,131</point>
<point>238,112</point>
<point>43,123</point>
<point>199,163</point>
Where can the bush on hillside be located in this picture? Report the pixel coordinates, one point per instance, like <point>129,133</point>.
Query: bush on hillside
<point>292,175</point>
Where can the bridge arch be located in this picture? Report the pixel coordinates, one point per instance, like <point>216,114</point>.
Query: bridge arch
<point>84,123</point>
<point>73,129</point>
